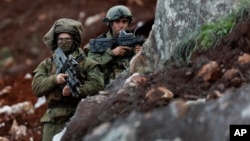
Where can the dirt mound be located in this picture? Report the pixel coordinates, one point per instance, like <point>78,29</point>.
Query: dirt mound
<point>212,72</point>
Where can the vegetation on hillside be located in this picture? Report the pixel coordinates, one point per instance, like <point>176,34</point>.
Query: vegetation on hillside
<point>210,34</point>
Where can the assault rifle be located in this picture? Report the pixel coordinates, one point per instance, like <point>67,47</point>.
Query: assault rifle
<point>67,66</point>
<point>100,45</point>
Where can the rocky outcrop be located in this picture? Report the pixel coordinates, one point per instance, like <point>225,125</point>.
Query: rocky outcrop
<point>176,21</point>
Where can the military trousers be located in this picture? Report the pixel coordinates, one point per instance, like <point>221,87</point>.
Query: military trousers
<point>54,120</point>
<point>51,129</point>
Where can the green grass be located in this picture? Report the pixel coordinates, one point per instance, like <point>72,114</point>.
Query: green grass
<point>210,34</point>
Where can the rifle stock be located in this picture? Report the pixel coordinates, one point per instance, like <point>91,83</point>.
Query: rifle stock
<point>67,66</point>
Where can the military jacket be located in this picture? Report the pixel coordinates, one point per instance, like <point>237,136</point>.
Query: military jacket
<point>111,64</point>
<point>44,81</point>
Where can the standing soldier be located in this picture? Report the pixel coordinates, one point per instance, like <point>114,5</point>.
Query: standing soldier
<point>115,59</point>
<point>66,34</point>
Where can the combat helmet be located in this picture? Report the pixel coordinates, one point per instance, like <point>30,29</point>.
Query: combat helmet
<point>64,25</point>
<point>117,12</point>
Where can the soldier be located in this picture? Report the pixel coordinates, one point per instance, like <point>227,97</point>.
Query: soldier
<point>67,34</point>
<point>115,60</point>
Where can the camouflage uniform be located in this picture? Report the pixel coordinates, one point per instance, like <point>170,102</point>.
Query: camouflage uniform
<point>113,65</point>
<point>61,108</point>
